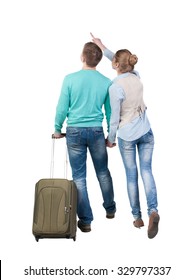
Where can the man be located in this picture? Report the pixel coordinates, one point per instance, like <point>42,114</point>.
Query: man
<point>83,95</point>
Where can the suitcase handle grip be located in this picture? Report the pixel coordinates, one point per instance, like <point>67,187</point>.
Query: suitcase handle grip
<point>62,135</point>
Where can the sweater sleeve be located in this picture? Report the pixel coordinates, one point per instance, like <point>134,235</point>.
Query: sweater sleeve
<point>62,106</point>
<point>107,111</point>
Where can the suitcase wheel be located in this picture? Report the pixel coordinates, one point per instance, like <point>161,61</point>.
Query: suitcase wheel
<point>74,238</point>
<point>37,238</point>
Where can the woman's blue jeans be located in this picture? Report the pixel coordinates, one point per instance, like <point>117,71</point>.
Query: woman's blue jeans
<point>145,146</point>
<point>79,140</point>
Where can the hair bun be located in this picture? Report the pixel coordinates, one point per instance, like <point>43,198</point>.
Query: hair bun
<point>133,59</point>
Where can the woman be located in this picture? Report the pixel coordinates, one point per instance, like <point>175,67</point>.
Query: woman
<point>130,123</point>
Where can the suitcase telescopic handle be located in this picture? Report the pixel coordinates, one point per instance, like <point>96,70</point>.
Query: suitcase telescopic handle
<point>52,156</point>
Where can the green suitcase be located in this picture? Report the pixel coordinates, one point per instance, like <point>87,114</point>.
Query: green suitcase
<point>55,207</point>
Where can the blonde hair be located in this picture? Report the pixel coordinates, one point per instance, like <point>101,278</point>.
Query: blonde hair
<point>126,60</point>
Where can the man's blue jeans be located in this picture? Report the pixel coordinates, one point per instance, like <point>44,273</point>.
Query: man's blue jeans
<point>79,140</point>
<point>145,146</point>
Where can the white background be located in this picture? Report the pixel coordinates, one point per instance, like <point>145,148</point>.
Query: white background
<point>41,42</point>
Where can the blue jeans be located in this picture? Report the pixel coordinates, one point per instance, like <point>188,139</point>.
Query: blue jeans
<point>79,140</point>
<point>145,146</point>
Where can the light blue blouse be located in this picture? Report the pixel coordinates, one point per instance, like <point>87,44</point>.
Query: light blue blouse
<point>132,130</point>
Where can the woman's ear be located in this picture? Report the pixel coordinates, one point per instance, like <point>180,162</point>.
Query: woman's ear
<point>115,65</point>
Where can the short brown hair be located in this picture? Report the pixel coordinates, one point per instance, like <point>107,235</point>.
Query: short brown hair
<point>92,54</point>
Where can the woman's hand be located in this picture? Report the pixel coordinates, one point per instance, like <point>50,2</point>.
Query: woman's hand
<point>98,42</point>
<point>109,144</point>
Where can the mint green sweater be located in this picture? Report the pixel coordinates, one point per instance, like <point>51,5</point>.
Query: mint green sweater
<point>81,101</point>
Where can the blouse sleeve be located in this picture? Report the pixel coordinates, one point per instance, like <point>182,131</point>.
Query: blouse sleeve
<point>109,54</point>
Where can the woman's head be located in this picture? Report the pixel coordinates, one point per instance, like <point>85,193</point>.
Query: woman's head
<point>91,54</point>
<point>124,61</point>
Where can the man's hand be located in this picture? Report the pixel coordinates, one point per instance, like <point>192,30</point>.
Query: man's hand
<point>58,135</point>
<point>109,144</point>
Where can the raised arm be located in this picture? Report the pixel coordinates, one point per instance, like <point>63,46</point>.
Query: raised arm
<point>98,42</point>
<point>109,54</point>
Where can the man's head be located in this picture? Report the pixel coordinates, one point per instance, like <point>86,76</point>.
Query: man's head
<point>91,54</point>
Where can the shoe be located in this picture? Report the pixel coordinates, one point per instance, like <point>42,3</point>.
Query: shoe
<point>138,223</point>
<point>84,227</point>
<point>153,224</point>
<point>110,215</point>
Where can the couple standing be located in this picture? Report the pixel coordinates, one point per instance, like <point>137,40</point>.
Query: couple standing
<point>83,95</point>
